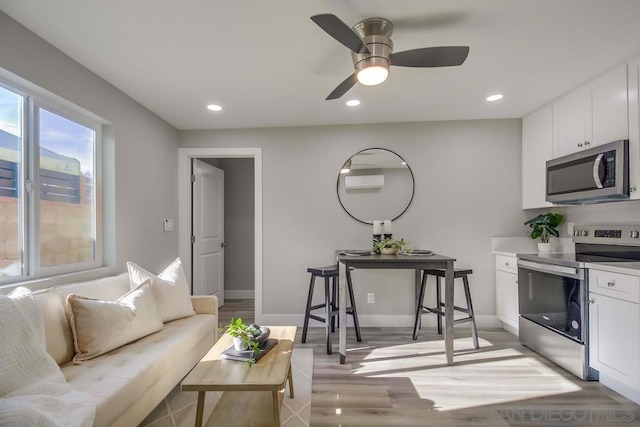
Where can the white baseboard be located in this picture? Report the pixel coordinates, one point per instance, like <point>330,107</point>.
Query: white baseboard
<point>239,294</point>
<point>390,321</point>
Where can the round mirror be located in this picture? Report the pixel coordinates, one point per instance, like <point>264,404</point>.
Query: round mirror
<point>375,184</point>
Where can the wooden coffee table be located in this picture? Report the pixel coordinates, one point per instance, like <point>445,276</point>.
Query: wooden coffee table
<point>252,395</point>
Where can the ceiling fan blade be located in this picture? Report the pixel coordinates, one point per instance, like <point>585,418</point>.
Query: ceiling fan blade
<point>443,56</point>
<point>340,31</point>
<point>343,87</point>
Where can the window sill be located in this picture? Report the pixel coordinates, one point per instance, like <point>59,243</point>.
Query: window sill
<point>62,279</point>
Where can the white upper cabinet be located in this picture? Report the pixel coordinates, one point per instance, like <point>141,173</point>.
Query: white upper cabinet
<point>593,114</point>
<point>571,122</point>
<point>634,128</point>
<point>610,107</point>
<point>537,141</point>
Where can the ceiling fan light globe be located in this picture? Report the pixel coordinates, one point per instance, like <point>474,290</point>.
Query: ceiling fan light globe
<point>373,75</point>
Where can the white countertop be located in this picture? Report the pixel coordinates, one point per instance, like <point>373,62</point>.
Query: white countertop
<point>510,246</point>
<point>632,268</point>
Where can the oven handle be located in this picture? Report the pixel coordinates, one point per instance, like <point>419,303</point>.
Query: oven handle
<point>558,270</point>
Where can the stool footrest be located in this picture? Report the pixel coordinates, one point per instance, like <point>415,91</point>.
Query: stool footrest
<point>318,318</point>
<point>441,313</point>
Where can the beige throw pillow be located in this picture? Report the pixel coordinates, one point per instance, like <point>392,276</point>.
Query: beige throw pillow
<point>100,326</point>
<point>170,287</point>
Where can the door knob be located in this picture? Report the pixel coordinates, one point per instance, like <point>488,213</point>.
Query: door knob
<point>222,245</point>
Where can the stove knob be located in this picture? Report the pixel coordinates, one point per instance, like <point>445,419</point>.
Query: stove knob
<point>583,233</point>
<point>634,234</point>
<point>576,232</point>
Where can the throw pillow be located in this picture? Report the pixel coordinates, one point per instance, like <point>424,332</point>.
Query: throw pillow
<point>100,326</point>
<point>171,289</point>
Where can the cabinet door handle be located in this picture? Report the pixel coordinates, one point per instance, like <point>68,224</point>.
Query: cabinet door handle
<point>591,301</point>
<point>611,284</point>
<point>506,264</point>
<point>587,143</point>
<point>580,144</point>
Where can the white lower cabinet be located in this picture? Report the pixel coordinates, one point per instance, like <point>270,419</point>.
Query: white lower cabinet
<point>614,331</point>
<point>507,292</point>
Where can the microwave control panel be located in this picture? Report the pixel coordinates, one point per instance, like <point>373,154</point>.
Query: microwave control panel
<point>610,170</point>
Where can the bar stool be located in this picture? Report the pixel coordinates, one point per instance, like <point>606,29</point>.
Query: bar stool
<point>438,310</point>
<point>330,304</point>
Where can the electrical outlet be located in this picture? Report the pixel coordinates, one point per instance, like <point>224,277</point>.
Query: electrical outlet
<point>371,298</point>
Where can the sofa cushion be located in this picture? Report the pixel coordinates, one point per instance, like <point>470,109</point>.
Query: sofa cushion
<point>59,338</point>
<point>106,288</point>
<point>171,289</point>
<point>99,326</point>
<point>117,379</point>
<point>58,335</point>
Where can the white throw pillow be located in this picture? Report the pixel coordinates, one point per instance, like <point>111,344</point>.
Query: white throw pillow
<point>100,326</point>
<point>171,289</point>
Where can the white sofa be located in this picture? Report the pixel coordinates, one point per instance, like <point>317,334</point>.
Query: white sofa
<point>128,382</point>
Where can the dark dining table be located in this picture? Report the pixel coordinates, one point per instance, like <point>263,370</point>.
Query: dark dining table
<point>355,259</point>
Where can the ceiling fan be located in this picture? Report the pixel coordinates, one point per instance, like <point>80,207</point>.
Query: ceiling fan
<point>372,51</point>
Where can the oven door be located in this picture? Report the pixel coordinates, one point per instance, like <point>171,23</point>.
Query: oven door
<point>553,296</point>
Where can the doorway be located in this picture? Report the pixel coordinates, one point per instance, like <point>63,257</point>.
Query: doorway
<point>220,156</point>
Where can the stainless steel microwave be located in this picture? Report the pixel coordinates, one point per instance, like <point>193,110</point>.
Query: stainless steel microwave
<point>599,174</point>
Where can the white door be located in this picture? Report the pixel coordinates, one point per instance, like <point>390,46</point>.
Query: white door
<point>208,230</point>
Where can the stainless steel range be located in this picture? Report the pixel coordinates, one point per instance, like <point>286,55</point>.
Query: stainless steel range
<point>553,291</point>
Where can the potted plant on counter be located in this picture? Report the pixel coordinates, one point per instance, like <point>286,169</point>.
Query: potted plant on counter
<point>544,226</point>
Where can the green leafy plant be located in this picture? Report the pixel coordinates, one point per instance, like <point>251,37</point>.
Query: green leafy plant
<point>544,226</point>
<point>247,333</point>
<point>383,243</point>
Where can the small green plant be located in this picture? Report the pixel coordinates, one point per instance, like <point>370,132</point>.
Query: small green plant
<point>544,226</point>
<point>247,333</point>
<point>383,243</point>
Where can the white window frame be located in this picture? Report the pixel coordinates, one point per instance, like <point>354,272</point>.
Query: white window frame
<point>29,202</point>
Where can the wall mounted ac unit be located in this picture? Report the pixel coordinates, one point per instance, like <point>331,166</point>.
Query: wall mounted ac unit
<point>360,182</point>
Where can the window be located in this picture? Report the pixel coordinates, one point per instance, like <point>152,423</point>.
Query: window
<point>49,220</point>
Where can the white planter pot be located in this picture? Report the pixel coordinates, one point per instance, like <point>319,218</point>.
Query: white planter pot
<point>544,247</point>
<point>240,345</point>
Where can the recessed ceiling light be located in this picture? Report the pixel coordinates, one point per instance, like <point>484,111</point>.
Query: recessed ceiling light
<point>496,97</point>
<point>353,103</point>
<point>214,107</point>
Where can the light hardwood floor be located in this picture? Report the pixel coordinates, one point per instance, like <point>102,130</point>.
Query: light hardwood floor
<point>391,380</point>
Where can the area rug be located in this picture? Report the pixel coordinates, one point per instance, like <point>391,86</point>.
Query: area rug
<point>178,409</point>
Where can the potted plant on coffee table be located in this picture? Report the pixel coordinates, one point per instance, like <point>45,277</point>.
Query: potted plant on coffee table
<point>247,337</point>
<point>543,227</point>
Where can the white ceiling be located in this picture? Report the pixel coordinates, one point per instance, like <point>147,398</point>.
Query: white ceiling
<point>269,65</point>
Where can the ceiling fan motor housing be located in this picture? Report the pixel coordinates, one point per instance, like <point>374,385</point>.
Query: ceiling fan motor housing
<point>375,33</point>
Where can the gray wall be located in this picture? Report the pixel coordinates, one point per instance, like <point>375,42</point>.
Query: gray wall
<point>140,149</point>
<point>239,281</point>
<point>468,183</point>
